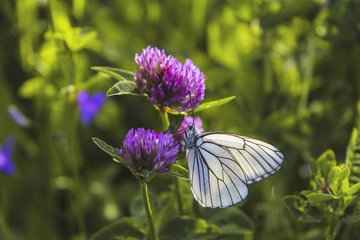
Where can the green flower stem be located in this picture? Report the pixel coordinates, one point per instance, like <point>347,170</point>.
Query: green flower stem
<point>146,200</point>
<point>165,120</point>
<point>306,70</point>
<point>178,195</point>
<point>334,224</point>
<point>268,81</point>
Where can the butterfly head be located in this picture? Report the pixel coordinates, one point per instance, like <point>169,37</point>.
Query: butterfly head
<point>190,137</point>
<point>190,127</point>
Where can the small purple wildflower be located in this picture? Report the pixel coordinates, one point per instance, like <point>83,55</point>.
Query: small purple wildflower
<point>149,152</point>
<point>90,105</point>
<point>18,116</point>
<point>167,81</point>
<point>6,164</point>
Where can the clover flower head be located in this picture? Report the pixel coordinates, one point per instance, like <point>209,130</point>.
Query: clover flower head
<point>6,164</point>
<point>168,82</point>
<point>149,152</point>
<point>90,105</point>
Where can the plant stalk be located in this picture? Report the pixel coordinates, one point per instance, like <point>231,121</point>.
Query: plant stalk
<point>165,120</point>
<point>334,224</point>
<point>146,200</point>
<point>307,69</point>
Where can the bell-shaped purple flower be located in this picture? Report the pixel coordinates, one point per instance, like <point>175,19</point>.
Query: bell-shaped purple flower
<point>149,152</point>
<point>90,105</point>
<point>6,164</point>
<point>168,82</point>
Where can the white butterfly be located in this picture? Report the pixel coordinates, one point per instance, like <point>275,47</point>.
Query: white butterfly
<point>222,164</point>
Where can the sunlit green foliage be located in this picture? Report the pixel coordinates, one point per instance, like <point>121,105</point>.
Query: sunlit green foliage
<point>292,65</point>
<point>332,199</point>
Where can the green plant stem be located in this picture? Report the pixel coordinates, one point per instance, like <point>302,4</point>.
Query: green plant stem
<point>178,195</point>
<point>334,224</point>
<point>307,68</point>
<point>268,82</point>
<point>165,120</point>
<point>146,200</point>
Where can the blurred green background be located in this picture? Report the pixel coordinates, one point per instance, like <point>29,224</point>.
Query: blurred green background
<point>292,65</point>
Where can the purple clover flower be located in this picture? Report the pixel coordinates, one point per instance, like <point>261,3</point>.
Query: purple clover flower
<point>90,105</point>
<point>6,164</point>
<point>190,120</point>
<point>149,152</point>
<point>167,81</point>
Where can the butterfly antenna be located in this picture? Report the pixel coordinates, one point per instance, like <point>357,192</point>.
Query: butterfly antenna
<point>192,107</point>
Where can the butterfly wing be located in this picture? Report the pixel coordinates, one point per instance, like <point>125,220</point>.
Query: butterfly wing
<point>222,164</point>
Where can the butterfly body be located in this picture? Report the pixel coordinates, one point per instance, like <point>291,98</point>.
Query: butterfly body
<point>190,138</point>
<point>222,164</point>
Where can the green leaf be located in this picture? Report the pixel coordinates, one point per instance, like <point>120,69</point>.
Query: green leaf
<point>338,179</point>
<point>316,181</point>
<point>300,209</point>
<point>176,123</point>
<point>186,227</point>
<point>212,104</point>
<point>126,228</point>
<point>178,171</point>
<point>117,73</point>
<point>350,150</point>
<point>326,162</point>
<point>111,151</point>
<point>123,88</point>
<point>35,86</point>
<point>315,198</point>
<point>86,38</point>
<point>315,171</point>
<point>352,159</point>
<point>77,39</point>
<point>61,20</point>
<point>306,192</point>
<point>353,189</point>
<point>347,201</point>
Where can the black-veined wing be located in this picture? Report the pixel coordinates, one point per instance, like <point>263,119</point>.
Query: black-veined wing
<point>222,164</point>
